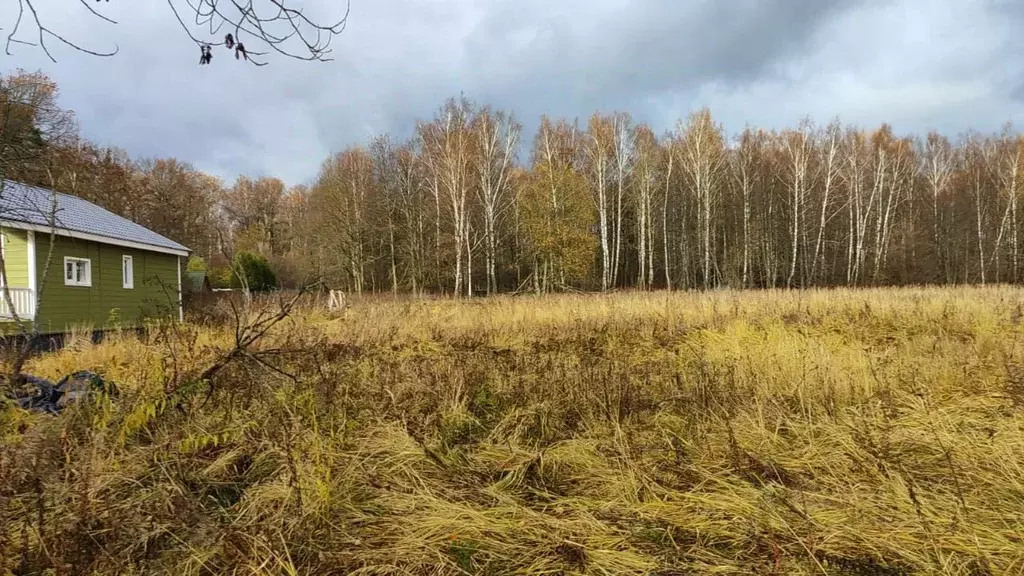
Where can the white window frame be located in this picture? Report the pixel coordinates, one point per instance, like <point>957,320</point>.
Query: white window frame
<point>88,271</point>
<point>127,272</point>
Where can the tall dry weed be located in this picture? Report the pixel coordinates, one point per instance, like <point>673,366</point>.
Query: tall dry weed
<point>816,432</point>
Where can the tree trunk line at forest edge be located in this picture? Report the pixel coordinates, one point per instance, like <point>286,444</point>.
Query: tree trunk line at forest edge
<point>454,209</point>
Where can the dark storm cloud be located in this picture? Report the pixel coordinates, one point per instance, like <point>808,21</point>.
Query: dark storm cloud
<point>918,64</point>
<point>549,60</point>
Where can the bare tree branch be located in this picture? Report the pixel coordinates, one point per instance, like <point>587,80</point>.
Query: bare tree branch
<point>45,32</point>
<point>275,25</point>
<point>95,13</point>
<point>267,25</point>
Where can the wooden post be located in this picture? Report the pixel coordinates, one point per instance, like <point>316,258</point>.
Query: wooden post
<point>336,300</point>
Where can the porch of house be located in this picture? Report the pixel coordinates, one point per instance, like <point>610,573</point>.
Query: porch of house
<point>18,294</point>
<point>24,304</point>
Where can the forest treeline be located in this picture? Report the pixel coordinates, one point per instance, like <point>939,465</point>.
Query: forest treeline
<point>470,205</point>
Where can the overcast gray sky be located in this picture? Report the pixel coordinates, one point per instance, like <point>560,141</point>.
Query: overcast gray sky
<point>917,64</point>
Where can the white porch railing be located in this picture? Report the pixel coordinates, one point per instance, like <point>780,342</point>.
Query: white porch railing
<point>24,300</point>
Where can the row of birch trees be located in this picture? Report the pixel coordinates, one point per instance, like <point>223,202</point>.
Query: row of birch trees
<point>469,204</point>
<point>466,206</point>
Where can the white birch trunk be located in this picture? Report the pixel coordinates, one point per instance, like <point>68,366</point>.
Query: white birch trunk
<point>831,159</point>
<point>664,222</point>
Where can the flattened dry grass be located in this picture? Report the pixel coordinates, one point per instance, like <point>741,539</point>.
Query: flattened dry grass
<point>818,432</point>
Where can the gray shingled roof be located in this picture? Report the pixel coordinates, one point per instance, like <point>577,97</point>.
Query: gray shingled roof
<point>32,205</point>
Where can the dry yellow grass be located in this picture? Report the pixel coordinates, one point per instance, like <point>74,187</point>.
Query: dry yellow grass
<point>815,432</point>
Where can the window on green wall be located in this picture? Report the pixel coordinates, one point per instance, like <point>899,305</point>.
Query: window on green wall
<point>77,271</point>
<point>127,272</point>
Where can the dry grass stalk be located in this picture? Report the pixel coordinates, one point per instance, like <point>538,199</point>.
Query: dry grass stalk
<point>818,432</point>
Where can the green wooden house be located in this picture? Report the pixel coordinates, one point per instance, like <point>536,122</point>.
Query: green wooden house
<point>104,271</point>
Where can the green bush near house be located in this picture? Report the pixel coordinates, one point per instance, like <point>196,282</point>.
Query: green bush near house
<point>256,270</point>
<point>114,319</point>
<point>222,277</point>
<point>195,264</point>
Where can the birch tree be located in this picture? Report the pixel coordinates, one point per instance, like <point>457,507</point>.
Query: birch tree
<point>387,184</point>
<point>702,157</point>
<point>599,150</point>
<point>938,162</point>
<point>647,180</point>
<point>1009,153</point>
<point>448,153</point>
<point>977,157</point>
<point>830,164</point>
<point>341,199</point>
<point>497,138</point>
<point>413,206</point>
<point>254,206</point>
<point>864,164</point>
<point>624,141</point>
<point>669,163</point>
<point>895,194</point>
<point>797,145</point>
<point>554,209</point>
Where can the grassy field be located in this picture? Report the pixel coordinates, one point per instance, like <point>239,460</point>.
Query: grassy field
<point>876,432</point>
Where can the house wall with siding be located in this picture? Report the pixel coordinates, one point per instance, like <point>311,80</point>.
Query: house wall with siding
<point>15,244</point>
<point>105,304</point>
